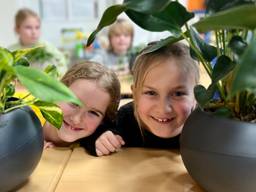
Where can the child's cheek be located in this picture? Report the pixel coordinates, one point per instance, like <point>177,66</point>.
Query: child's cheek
<point>187,109</point>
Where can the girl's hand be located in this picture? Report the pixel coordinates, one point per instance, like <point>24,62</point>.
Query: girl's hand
<point>108,143</point>
<point>48,144</point>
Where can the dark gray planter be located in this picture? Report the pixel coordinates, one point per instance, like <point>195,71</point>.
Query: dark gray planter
<point>219,153</point>
<point>21,146</point>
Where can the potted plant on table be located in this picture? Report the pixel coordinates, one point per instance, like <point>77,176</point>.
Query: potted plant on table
<point>218,140</point>
<point>21,137</point>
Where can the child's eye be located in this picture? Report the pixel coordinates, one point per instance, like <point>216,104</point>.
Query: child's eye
<point>73,105</point>
<point>150,93</point>
<point>94,113</point>
<point>179,93</point>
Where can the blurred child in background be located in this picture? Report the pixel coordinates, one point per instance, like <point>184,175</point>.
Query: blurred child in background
<point>28,29</point>
<point>117,57</point>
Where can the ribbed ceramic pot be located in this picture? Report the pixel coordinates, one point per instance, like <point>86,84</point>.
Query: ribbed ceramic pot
<point>21,146</point>
<point>220,153</point>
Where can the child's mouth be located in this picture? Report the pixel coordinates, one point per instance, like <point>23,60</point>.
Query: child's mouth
<point>67,125</point>
<point>162,120</point>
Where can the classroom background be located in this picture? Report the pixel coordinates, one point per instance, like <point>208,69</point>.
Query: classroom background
<point>65,23</point>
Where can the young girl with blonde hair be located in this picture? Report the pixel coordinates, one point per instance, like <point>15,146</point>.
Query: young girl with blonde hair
<point>163,100</point>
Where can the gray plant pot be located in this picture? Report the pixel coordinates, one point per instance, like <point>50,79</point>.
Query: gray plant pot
<point>219,153</point>
<point>21,146</point>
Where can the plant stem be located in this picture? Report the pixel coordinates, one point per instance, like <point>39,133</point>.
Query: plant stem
<point>217,43</point>
<point>19,106</point>
<point>206,65</point>
<point>223,41</point>
<point>3,83</point>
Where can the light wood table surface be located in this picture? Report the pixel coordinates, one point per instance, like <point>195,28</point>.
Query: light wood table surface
<point>49,170</point>
<point>130,170</point>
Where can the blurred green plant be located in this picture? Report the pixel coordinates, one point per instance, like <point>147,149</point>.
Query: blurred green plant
<point>45,89</point>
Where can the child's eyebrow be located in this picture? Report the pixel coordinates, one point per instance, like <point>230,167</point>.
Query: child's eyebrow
<point>173,88</point>
<point>148,87</point>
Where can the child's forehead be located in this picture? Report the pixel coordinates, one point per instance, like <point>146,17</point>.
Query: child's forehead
<point>164,67</point>
<point>121,32</point>
<point>31,19</point>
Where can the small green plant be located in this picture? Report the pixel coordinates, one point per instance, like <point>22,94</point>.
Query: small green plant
<point>45,89</point>
<point>233,72</point>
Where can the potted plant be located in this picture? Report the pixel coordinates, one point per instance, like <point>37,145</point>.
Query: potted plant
<point>218,140</point>
<point>21,138</point>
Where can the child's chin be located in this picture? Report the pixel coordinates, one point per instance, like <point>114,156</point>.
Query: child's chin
<point>163,135</point>
<point>67,138</point>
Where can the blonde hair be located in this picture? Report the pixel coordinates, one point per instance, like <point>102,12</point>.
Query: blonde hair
<point>23,14</point>
<point>145,61</point>
<point>121,26</point>
<point>104,77</point>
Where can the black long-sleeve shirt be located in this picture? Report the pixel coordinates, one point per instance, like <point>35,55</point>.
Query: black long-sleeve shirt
<point>127,127</point>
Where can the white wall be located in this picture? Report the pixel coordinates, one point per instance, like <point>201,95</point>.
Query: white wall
<point>7,12</point>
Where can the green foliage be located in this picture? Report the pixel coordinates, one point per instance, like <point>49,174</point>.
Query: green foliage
<point>45,89</point>
<point>233,77</point>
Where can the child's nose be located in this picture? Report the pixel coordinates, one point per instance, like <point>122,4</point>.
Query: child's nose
<point>165,105</point>
<point>77,118</point>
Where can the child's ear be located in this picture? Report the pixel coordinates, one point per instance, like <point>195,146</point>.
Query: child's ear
<point>194,104</point>
<point>132,89</point>
<point>16,29</point>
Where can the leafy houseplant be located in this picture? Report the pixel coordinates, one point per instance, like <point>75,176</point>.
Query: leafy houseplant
<point>231,96</point>
<point>21,138</point>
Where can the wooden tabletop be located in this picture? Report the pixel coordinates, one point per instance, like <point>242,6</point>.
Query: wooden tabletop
<point>130,170</point>
<point>49,171</point>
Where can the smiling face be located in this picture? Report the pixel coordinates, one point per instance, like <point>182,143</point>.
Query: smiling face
<point>79,122</point>
<point>165,99</point>
<point>29,31</point>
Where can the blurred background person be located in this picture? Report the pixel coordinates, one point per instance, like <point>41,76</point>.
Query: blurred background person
<point>118,56</point>
<point>28,29</point>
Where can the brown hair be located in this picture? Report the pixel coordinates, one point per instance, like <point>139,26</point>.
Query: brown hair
<point>105,78</point>
<point>23,14</point>
<point>121,26</point>
<point>146,60</point>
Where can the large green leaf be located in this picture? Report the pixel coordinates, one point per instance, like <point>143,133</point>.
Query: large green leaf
<point>51,112</point>
<point>6,68</point>
<point>209,52</point>
<point>18,54</point>
<point>223,66</point>
<point>109,17</point>
<point>150,15</point>
<point>245,75</point>
<point>237,45</point>
<point>220,5</point>
<point>171,18</point>
<point>146,6</point>
<point>44,87</point>
<point>6,59</point>
<point>159,44</point>
<point>238,17</point>
<point>203,96</point>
